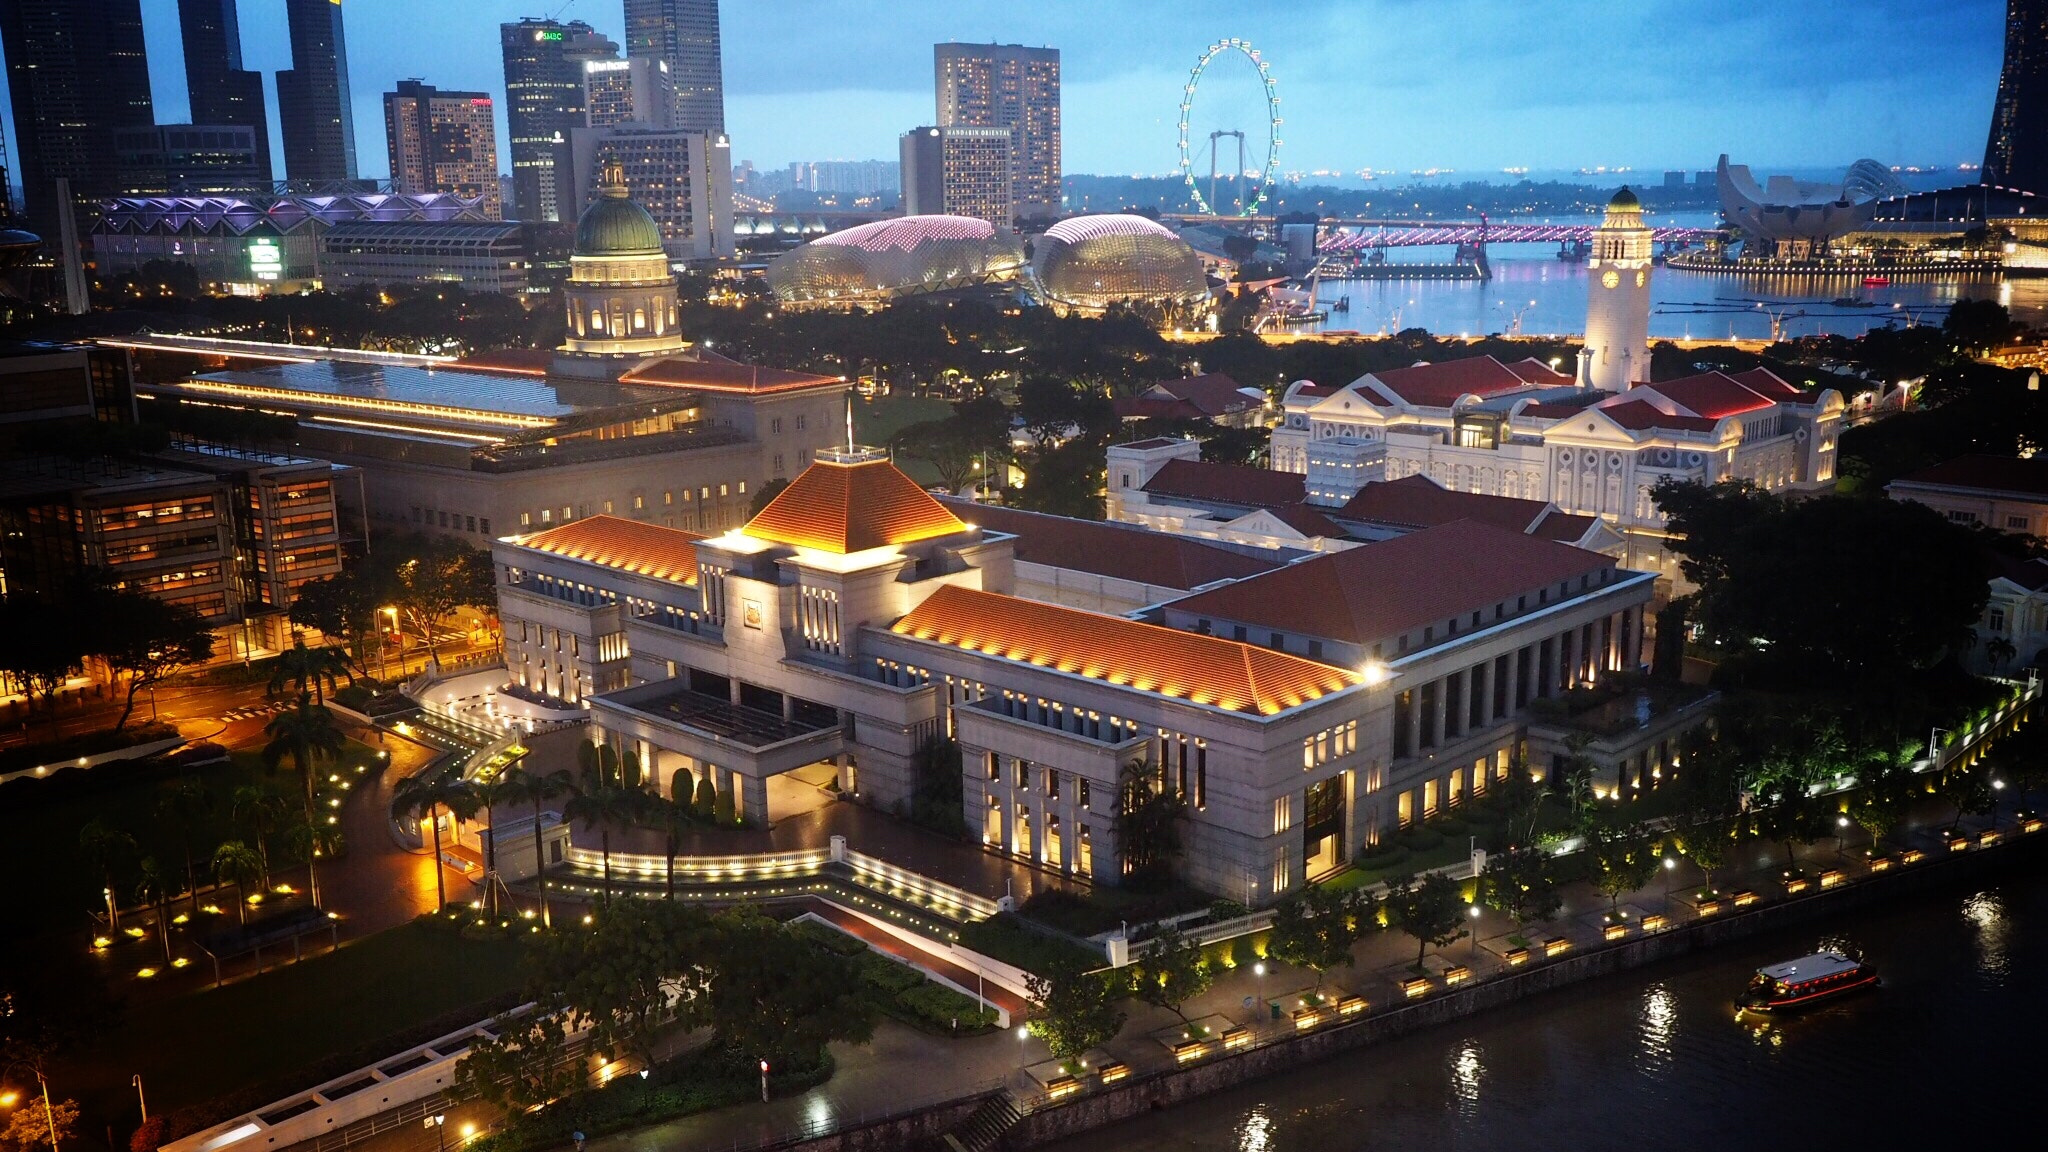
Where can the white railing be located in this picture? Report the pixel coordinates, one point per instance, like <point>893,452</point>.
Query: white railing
<point>706,869</point>
<point>903,884</point>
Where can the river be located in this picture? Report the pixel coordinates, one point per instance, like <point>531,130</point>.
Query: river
<point>1656,1059</point>
<point>1550,294</point>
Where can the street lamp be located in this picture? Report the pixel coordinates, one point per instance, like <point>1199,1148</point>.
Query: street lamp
<point>1670,866</point>
<point>1841,830</point>
<point>1259,970</point>
<point>136,1080</point>
<point>764,1081</point>
<point>437,1122</point>
<point>1474,910</point>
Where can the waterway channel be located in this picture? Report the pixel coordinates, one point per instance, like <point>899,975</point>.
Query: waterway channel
<point>1945,1055</point>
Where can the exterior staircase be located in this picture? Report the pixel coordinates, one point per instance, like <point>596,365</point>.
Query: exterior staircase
<point>984,1127</point>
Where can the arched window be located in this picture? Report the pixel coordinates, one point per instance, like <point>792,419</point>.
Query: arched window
<point>596,320</point>
<point>639,319</point>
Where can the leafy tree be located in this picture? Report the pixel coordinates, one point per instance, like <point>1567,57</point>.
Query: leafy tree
<point>1316,929</point>
<point>1147,823</point>
<point>1877,810</point>
<point>1075,1010</point>
<point>422,796</point>
<point>936,798</point>
<point>307,736</point>
<point>235,863</point>
<point>1796,818</point>
<point>44,648</point>
<point>1171,971</point>
<point>606,806</point>
<point>1967,790</point>
<point>147,639</point>
<point>1624,860</point>
<point>528,1064</point>
<point>345,605</point>
<point>186,807</point>
<point>766,496</point>
<point>1432,910</point>
<point>636,975</point>
<point>705,802</point>
<point>30,1128</point>
<point>1521,882</point>
<point>260,813</point>
<point>434,577</point>
<point>1065,481</point>
<point>1979,325</point>
<point>776,996</point>
<point>724,810</point>
<point>1706,841</point>
<point>949,446</point>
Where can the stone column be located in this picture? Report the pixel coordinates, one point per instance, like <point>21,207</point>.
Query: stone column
<point>1415,721</point>
<point>1567,659</point>
<point>754,792</point>
<point>1437,709</point>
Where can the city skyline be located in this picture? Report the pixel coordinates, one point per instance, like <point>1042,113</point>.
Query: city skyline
<point>1362,85</point>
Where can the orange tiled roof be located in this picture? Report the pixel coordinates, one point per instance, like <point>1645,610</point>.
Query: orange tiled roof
<point>629,545</point>
<point>722,375</point>
<point>1220,673</point>
<point>843,508</point>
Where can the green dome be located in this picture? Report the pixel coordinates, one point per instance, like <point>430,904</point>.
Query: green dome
<point>614,224</point>
<point>1624,199</point>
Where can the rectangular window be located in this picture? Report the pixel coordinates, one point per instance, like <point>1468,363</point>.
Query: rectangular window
<point>469,523</point>
<point>1315,649</point>
<point>775,426</point>
<point>995,766</point>
<point>1996,620</point>
<point>799,423</point>
<point>668,499</point>
<point>526,519</point>
<point>1283,813</point>
<point>484,525</point>
<point>1052,783</point>
<point>1024,775</point>
<point>1081,791</point>
<point>2016,523</point>
<point>1963,517</point>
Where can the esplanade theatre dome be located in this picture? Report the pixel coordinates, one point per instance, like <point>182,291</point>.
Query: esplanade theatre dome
<point>900,257</point>
<point>1096,261</point>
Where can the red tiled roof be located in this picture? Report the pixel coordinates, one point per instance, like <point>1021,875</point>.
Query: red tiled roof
<point>1642,416</point>
<point>1153,442</point>
<point>846,508</point>
<point>1419,502</point>
<point>1118,551</point>
<point>1307,521</point>
<point>1439,385</point>
<point>1543,411</point>
<point>1768,384</point>
<point>724,376</point>
<point>1237,485</point>
<point>1712,395</point>
<point>1311,389</point>
<point>2029,574</point>
<point>1203,397</point>
<point>629,545</point>
<point>1377,397</point>
<point>1564,527</point>
<point>1364,595</point>
<point>1207,670</point>
<point>1990,473</point>
<point>1537,372</point>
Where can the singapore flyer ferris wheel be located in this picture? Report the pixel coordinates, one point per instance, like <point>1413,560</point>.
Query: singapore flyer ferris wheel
<point>1249,161</point>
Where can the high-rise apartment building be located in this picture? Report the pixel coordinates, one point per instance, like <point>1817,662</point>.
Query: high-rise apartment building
<point>221,90</point>
<point>684,33</point>
<point>1008,86</point>
<point>959,172</point>
<point>853,177</point>
<point>637,90</point>
<point>313,107</point>
<point>443,142</point>
<point>76,71</point>
<point>683,179</point>
<point>191,159</point>
<point>544,62</point>
<point>2016,155</point>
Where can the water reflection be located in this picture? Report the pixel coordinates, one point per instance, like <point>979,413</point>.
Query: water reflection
<point>1255,1133</point>
<point>1659,1027</point>
<point>1985,913</point>
<point>1466,1071</point>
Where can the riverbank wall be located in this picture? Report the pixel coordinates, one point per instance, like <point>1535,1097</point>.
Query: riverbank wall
<point>1101,1107</point>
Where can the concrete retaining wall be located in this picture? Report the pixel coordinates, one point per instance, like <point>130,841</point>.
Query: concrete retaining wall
<point>893,1134</point>
<point>1099,1107</point>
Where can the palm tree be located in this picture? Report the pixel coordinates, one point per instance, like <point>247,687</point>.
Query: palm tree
<point>260,813</point>
<point>537,788</point>
<point>606,806</point>
<point>309,670</point>
<point>235,863</point>
<point>306,734</point>
<point>487,793</point>
<point>154,888</point>
<point>2000,651</point>
<point>104,850</point>
<point>423,796</point>
<point>318,839</point>
<point>185,807</point>
<point>673,817</point>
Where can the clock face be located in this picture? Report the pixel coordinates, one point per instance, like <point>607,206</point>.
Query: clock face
<point>1610,279</point>
<point>1642,278</point>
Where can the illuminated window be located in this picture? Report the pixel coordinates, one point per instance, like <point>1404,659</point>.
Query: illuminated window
<point>1283,813</point>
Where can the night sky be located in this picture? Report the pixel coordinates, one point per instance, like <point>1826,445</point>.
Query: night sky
<point>1476,85</point>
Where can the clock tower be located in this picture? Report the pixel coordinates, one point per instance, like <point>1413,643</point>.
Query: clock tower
<point>1617,351</point>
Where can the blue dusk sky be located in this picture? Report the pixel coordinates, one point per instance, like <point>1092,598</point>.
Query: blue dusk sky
<point>1475,85</point>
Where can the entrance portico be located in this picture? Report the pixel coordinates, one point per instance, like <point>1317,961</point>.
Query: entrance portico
<point>738,747</point>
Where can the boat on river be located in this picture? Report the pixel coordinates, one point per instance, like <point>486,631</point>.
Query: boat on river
<point>1810,980</point>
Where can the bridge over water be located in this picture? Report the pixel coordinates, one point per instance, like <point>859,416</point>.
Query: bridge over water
<point>1347,236</point>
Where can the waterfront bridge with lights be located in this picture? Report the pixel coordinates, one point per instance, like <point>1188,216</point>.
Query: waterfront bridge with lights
<point>1337,238</point>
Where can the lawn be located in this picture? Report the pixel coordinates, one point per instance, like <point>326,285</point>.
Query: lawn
<point>276,1029</point>
<point>875,421</point>
<point>40,820</point>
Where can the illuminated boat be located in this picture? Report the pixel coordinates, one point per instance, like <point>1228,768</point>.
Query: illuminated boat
<point>1807,981</point>
<point>1877,281</point>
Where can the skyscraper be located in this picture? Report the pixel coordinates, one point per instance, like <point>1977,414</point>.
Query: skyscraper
<point>1008,86</point>
<point>635,91</point>
<point>222,91</point>
<point>443,142</point>
<point>544,62</point>
<point>2016,156</point>
<point>313,106</point>
<point>76,71</point>
<point>959,172</point>
<point>684,33</point>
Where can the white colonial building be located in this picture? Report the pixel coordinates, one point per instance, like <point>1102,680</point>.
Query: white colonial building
<point>1300,710</point>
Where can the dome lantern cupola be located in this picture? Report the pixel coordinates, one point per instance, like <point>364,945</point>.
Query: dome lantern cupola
<point>621,295</point>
